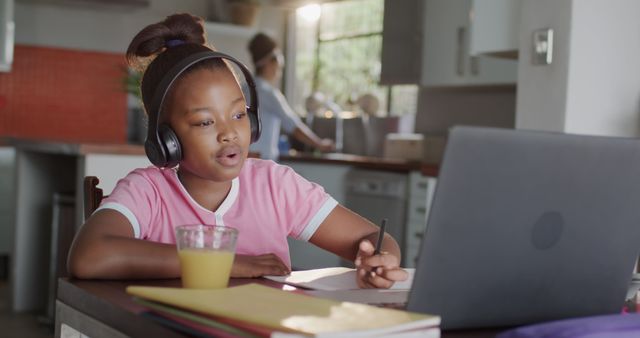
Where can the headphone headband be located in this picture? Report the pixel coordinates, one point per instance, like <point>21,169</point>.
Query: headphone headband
<point>153,144</point>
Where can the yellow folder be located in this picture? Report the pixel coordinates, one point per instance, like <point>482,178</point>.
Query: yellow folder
<point>288,311</point>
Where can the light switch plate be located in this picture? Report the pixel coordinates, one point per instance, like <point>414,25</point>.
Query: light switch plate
<point>542,46</point>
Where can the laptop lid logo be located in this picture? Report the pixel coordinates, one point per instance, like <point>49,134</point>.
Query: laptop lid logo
<point>547,230</point>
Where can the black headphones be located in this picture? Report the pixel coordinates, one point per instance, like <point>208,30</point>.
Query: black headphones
<point>162,145</point>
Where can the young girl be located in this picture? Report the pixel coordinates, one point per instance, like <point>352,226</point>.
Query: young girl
<point>199,135</point>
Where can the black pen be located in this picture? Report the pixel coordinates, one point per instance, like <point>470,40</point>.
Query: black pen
<point>380,237</point>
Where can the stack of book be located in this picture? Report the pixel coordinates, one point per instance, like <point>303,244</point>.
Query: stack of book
<point>254,310</point>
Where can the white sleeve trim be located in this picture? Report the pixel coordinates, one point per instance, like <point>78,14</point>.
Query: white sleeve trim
<point>319,217</point>
<point>127,213</point>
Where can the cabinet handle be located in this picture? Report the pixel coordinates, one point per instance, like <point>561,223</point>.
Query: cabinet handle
<point>422,185</point>
<point>419,234</point>
<point>475,65</point>
<point>422,210</point>
<point>460,50</point>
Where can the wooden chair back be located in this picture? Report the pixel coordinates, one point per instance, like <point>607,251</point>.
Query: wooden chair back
<point>92,195</point>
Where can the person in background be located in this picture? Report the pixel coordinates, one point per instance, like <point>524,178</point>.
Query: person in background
<point>277,115</point>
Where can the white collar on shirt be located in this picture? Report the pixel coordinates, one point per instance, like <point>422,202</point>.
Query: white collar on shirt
<point>226,204</point>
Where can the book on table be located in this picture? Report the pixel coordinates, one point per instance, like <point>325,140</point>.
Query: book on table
<point>333,279</point>
<point>266,311</point>
<point>203,326</point>
<point>339,283</point>
<point>200,325</point>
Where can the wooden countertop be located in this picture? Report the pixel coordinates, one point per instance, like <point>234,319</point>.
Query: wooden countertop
<point>378,163</point>
<point>68,148</point>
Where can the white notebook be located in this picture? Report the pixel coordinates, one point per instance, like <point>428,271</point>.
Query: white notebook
<point>332,279</point>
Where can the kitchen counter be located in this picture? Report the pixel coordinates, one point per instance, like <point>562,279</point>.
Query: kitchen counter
<point>49,206</point>
<point>365,162</point>
<point>67,148</point>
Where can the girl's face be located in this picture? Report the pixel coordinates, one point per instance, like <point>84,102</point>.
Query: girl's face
<point>207,110</point>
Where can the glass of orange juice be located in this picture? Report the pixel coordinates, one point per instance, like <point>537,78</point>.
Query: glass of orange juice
<point>206,255</point>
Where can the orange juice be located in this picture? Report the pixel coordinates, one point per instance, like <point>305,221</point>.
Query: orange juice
<point>205,269</point>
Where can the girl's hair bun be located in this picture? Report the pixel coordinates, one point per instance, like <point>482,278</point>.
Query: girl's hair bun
<point>175,30</point>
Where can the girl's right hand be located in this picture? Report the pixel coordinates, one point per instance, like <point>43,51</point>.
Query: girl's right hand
<point>377,270</point>
<point>256,266</point>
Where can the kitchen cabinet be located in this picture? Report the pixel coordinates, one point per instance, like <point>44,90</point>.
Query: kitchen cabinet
<point>402,39</point>
<point>332,177</point>
<point>433,48</point>
<point>421,192</point>
<point>43,170</point>
<point>377,195</point>
<point>375,188</point>
<point>447,61</point>
<point>495,27</point>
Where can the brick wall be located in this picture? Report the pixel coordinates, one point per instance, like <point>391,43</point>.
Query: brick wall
<point>67,95</point>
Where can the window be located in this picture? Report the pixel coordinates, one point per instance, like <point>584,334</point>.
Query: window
<point>339,56</point>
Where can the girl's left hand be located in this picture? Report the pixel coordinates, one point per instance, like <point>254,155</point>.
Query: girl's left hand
<point>377,271</point>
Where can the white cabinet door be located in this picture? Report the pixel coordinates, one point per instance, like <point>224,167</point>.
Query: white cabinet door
<point>495,26</point>
<point>447,60</point>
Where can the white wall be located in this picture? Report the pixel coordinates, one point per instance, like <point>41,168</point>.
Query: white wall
<point>604,72</point>
<point>542,90</point>
<point>110,29</point>
<point>593,83</point>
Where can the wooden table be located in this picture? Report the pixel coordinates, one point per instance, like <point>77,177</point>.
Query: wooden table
<point>103,309</point>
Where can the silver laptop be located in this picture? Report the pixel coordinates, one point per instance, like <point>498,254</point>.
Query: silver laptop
<point>528,227</point>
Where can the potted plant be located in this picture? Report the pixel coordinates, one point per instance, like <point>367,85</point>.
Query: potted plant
<point>243,12</point>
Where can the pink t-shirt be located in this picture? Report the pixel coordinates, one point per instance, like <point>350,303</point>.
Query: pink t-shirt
<point>267,202</point>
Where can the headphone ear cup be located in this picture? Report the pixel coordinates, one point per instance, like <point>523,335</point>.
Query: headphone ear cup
<point>256,126</point>
<point>153,149</point>
<point>171,146</point>
<point>154,153</point>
